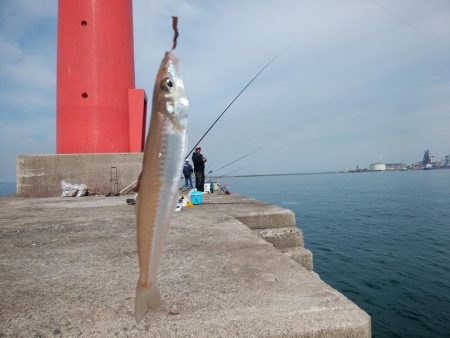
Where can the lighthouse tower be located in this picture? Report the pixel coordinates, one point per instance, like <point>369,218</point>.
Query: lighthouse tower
<point>100,115</point>
<point>98,110</point>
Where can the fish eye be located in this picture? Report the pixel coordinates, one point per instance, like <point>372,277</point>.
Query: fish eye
<point>167,84</point>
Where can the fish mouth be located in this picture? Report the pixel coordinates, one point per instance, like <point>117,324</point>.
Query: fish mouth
<point>171,57</point>
<point>171,62</point>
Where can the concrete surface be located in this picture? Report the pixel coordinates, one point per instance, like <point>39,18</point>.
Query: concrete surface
<point>69,268</point>
<point>41,175</point>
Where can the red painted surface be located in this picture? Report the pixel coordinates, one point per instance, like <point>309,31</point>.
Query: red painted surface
<point>95,70</point>
<point>137,101</point>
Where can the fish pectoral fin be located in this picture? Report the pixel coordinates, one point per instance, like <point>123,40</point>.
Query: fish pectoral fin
<point>146,298</point>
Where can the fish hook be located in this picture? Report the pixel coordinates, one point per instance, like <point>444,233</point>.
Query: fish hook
<point>175,30</point>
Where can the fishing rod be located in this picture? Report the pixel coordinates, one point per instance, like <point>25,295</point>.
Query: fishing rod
<point>236,97</point>
<point>223,187</point>
<point>234,161</point>
<point>209,165</point>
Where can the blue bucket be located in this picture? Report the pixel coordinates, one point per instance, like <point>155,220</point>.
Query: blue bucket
<point>196,197</point>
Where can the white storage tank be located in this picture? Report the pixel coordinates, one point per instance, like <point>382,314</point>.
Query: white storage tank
<point>378,166</point>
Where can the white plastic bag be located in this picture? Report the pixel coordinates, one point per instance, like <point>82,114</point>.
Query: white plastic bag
<point>73,190</point>
<point>82,190</point>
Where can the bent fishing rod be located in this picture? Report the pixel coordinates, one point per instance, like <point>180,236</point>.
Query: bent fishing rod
<point>236,97</point>
<point>222,187</point>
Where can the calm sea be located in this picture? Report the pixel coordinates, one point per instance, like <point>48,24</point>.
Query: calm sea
<point>381,238</point>
<point>7,189</point>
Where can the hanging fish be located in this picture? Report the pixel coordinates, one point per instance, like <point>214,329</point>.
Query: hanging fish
<point>159,180</point>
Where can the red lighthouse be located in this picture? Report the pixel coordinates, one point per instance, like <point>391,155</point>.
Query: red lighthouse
<point>98,108</point>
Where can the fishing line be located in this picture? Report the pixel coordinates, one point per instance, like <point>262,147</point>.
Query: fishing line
<point>209,165</point>
<point>234,161</point>
<point>231,172</point>
<point>401,20</point>
<point>239,94</point>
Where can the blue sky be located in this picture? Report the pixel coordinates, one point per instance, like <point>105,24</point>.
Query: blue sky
<point>366,80</point>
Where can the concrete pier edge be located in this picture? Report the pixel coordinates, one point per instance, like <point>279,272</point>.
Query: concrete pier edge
<point>232,266</point>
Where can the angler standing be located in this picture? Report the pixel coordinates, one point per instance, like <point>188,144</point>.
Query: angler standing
<point>199,168</point>
<point>187,172</point>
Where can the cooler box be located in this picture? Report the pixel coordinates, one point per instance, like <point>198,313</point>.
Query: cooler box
<point>196,197</point>
<point>207,187</point>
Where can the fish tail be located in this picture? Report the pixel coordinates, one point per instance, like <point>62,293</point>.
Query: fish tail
<point>146,298</point>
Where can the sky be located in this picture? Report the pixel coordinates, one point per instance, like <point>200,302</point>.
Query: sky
<point>364,81</point>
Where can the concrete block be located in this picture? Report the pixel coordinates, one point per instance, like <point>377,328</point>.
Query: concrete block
<point>271,219</point>
<point>41,175</point>
<point>302,256</point>
<point>69,268</point>
<point>286,237</point>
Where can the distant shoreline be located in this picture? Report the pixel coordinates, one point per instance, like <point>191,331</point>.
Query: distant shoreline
<point>282,174</point>
<point>322,173</point>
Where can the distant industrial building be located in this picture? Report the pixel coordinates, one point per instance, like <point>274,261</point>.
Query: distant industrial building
<point>417,166</point>
<point>427,161</point>
<point>395,166</point>
<point>378,166</point>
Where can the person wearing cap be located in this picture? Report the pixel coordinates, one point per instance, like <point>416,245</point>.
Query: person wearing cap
<point>199,168</point>
<point>187,172</point>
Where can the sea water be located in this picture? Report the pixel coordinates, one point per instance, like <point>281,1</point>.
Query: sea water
<point>7,189</point>
<point>380,238</point>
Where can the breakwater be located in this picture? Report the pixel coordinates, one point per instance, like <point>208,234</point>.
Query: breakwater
<point>70,268</point>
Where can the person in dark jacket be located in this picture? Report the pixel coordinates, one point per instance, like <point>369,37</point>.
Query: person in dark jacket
<point>199,168</point>
<point>187,172</point>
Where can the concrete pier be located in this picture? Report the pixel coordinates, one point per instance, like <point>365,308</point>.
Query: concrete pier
<point>232,267</point>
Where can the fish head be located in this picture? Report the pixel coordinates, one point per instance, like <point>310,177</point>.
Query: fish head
<point>169,92</point>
